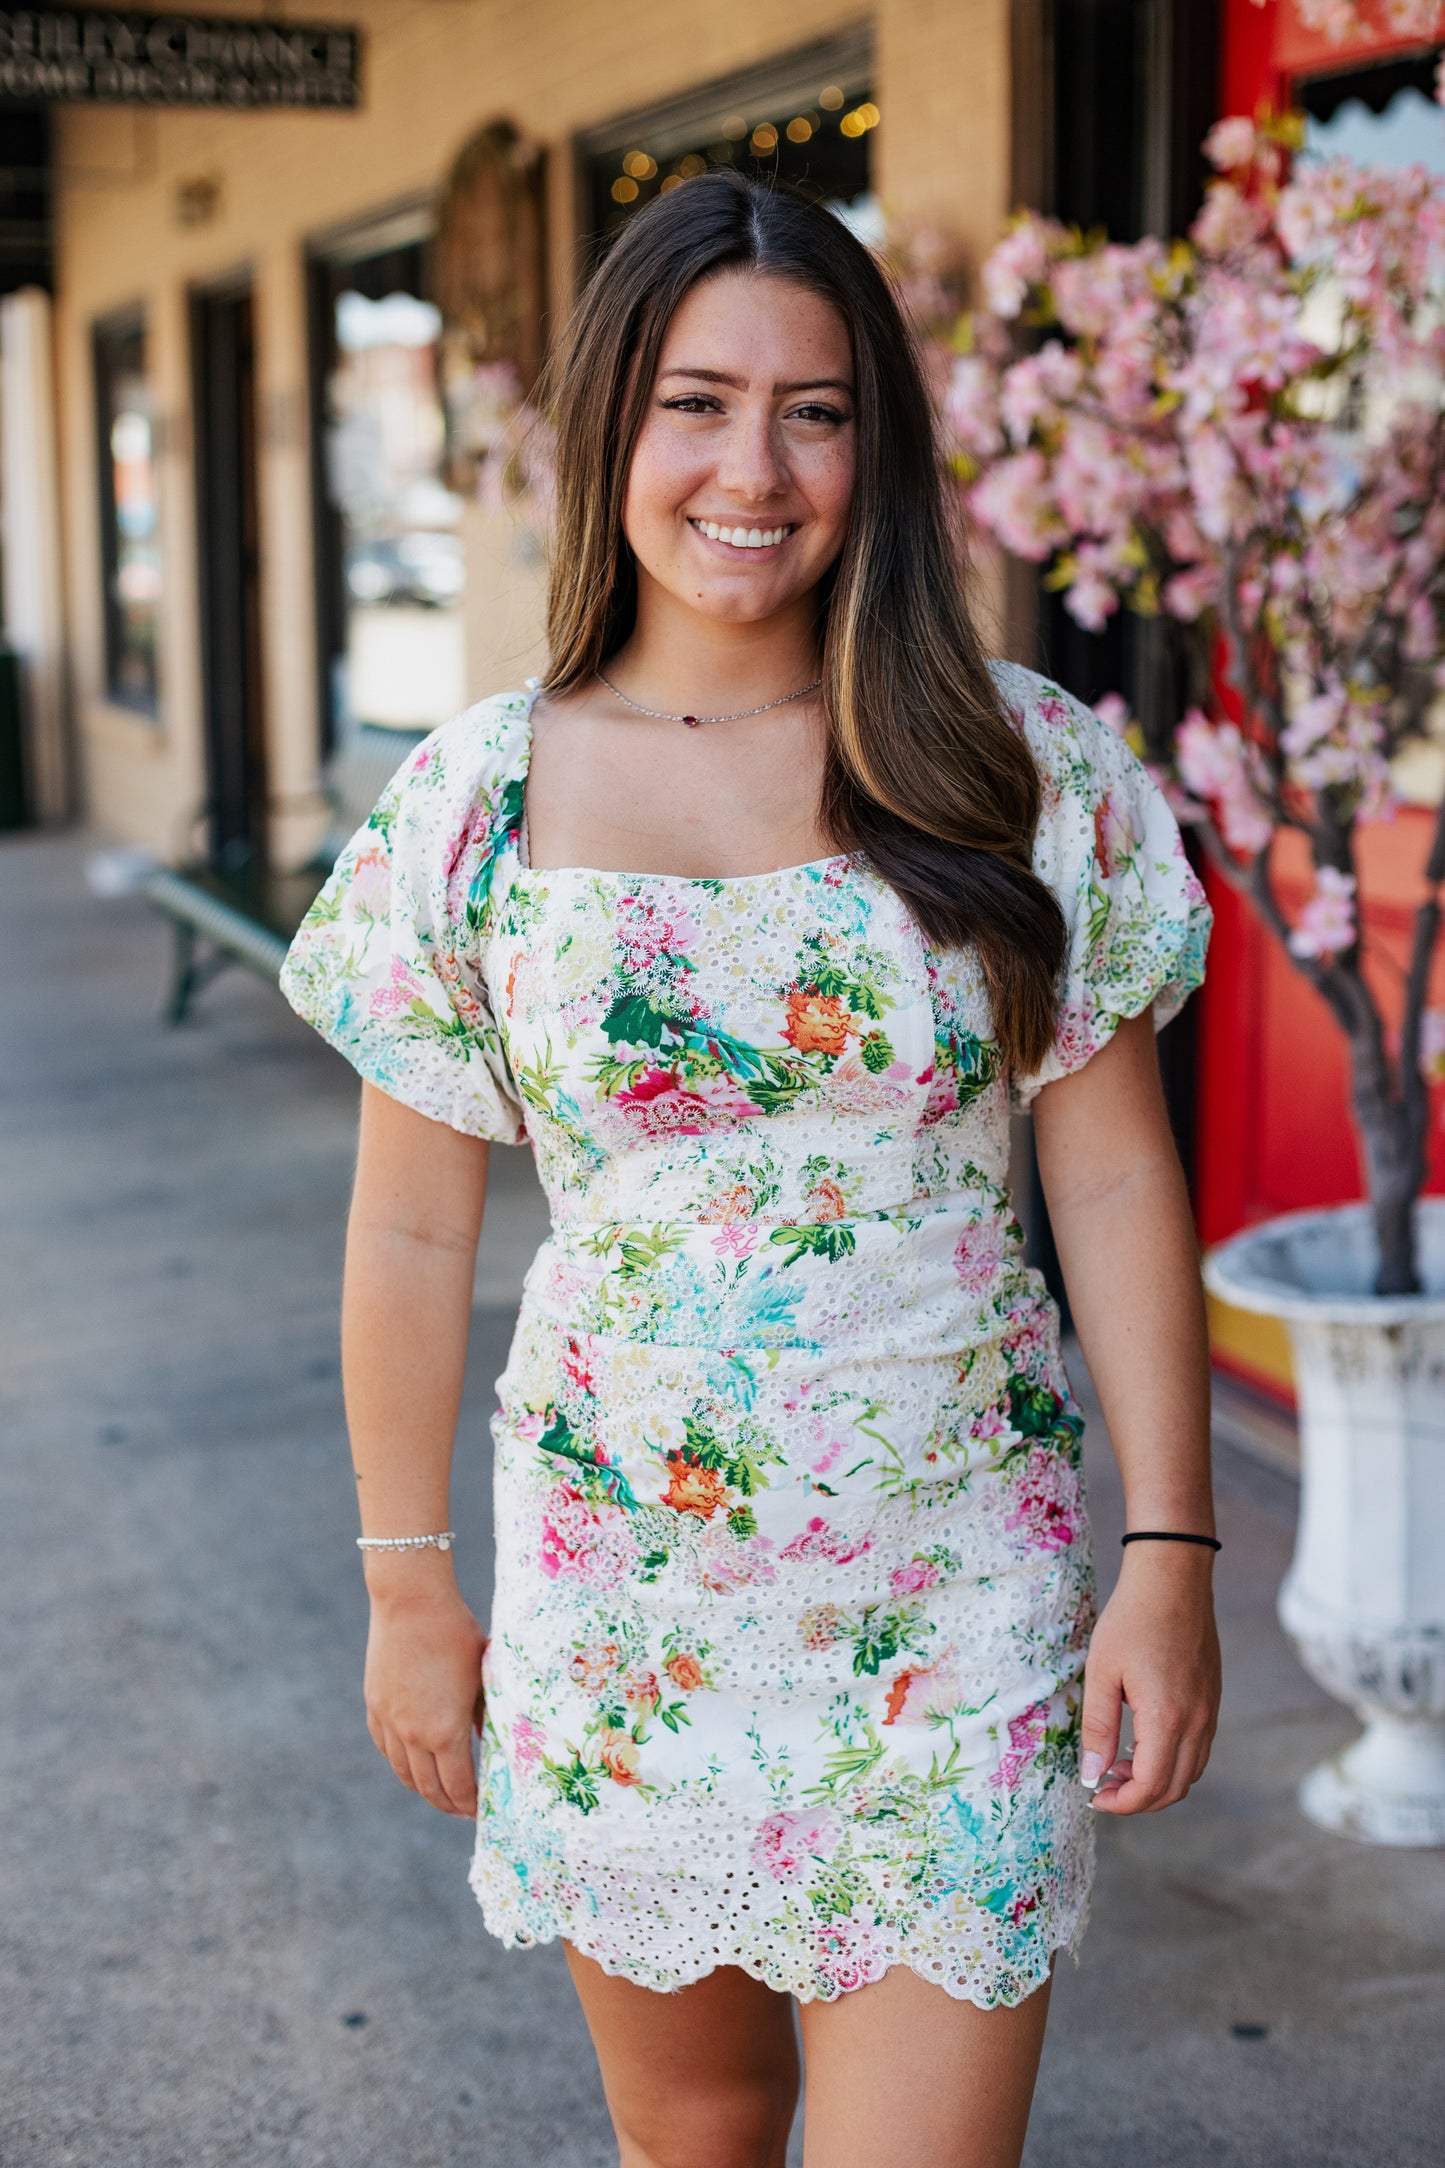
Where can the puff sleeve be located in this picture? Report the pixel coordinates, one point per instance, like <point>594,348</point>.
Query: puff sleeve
<point>389,963</point>
<point>1110,848</point>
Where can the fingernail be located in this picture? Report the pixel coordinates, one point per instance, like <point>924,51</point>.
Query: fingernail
<point>1091,1768</point>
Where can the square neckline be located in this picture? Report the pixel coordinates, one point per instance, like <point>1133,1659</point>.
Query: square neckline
<point>518,839</point>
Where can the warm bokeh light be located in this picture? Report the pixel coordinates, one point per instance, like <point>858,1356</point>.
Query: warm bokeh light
<point>830,98</point>
<point>624,189</point>
<point>639,165</point>
<point>735,127</point>
<point>765,138</point>
<point>799,128</point>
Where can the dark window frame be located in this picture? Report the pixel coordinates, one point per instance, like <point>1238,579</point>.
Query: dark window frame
<point>107,334</point>
<point>388,234</point>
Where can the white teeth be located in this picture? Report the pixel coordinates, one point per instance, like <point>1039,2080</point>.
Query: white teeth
<point>742,538</point>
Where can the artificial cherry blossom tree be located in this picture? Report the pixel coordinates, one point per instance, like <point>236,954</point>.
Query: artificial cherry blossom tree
<point>1244,434</point>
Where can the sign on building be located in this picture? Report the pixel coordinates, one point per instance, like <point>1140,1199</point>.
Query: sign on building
<point>141,58</point>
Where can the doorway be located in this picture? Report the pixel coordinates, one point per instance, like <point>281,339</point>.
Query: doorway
<point>223,362</point>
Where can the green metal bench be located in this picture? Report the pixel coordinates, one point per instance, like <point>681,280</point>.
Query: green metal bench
<point>249,916</point>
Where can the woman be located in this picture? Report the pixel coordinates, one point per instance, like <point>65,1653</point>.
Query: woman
<point>754,916</point>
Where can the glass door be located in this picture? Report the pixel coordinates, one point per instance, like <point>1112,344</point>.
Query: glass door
<point>390,560</point>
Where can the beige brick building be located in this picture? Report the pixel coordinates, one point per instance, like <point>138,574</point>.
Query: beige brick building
<point>204,261</point>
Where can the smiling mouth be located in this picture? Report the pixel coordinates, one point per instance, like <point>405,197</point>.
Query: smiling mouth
<point>741,538</point>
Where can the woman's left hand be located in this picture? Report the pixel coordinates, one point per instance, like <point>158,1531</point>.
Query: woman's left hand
<point>1156,1648</point>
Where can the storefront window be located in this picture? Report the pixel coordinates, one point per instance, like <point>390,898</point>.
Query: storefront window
<point>1385,115</point>
<point>807,121</point>
<point>129,511</point>
<point>397,639</point>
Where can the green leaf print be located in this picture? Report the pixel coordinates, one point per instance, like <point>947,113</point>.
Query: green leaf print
<point>876,1640</point>
<point>633,1020</point>
<point>877,1052</point>
<point>603,1478</point>
<point>573,1782</point>
<point>847,1765</point>
<point>826,1239</point>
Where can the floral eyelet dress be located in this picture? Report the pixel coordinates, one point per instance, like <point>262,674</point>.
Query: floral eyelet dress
<point>793,1580</point>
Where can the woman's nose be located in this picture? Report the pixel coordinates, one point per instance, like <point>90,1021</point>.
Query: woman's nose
<point>750,466</point>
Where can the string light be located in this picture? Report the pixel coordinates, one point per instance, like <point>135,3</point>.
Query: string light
<point>735,127</point>
<point>765,139</point>
<point>799,129</point>
<point>673,180</point>
<point>639,165</point>
<point>624,189</point>
<point>691,166</point>
<point>830,98</point>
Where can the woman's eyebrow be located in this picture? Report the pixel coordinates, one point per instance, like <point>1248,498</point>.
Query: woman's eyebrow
<point>720,376</point>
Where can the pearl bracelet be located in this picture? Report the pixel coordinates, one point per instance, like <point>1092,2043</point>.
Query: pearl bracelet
<point>442,1542</point>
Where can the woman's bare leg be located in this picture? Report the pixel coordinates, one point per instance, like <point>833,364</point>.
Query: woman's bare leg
<point>703,2078</point>
<point>902,2076</point>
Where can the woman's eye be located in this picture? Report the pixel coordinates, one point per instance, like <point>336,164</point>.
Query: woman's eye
<point>813,410</point>
<point>691,402</point>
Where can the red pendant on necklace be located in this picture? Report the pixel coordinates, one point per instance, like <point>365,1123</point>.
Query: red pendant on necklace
<point>691,721</point>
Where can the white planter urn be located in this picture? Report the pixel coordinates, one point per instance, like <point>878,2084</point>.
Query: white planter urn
<point>1364,1599</point>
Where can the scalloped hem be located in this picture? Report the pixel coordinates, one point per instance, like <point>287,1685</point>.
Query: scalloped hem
<point>995,1992</point>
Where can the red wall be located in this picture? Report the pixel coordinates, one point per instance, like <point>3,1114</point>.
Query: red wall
<point>1274,1132</point>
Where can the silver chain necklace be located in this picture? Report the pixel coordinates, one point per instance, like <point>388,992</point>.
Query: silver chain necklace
<point>659,716</point>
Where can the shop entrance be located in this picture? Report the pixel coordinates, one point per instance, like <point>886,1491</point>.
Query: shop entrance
<point>223,361</point>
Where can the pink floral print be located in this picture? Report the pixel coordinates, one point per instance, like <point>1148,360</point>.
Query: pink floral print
<point>793,1577</point>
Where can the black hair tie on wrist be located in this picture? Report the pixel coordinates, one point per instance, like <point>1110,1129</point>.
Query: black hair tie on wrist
<point>1171,1535</point>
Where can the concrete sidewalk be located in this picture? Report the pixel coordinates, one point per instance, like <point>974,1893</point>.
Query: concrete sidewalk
<point>227,1936</point>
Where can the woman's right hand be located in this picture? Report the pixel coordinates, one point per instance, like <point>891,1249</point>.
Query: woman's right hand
<point>423,1681</point>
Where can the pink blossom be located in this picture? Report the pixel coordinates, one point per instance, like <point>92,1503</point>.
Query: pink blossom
<point>788,1843</point>
<point>978,1254</point>
<point>1074,1036</point>
<point>970,407</point>
<point>1019,262</point>
<point>1045,1501</point>
<point>577,1544</point>
<point>1188,594</point>
<point>1025,1737</point>
<point>851,1954</point>
<point>371,883</point>
<point>1034,388</point>
<point>725,1566</point>
<point>397,996</point>
<point>737,1239</point>
<point>1326,925</point>
<point>1013,499</point>
<point>661,1104</point>
<point>911,1580</point>
<point>1112,710</point>
<point>923,1692</point>
<point>1312,720</point>
<point>1215,763</point>
<point>647,931</point>
<point>529,1743</point>
<point>819,1541</point>
<point>1230,143</point>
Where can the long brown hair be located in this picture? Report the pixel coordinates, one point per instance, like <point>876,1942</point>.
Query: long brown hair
<point>924,775</point>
